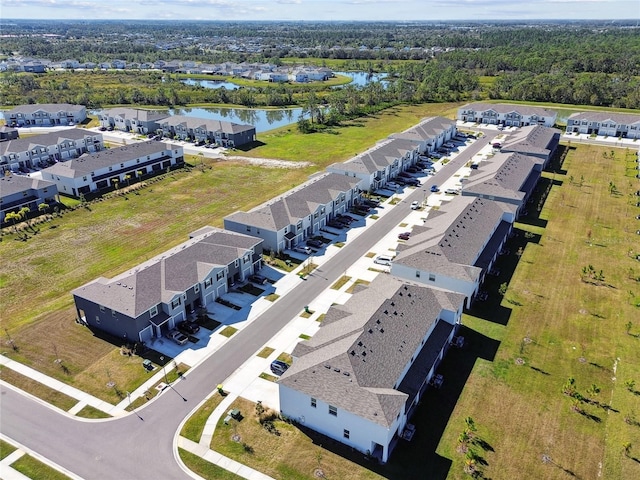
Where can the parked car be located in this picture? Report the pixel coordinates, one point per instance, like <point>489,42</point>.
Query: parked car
<point>335,224</point>
<point>404,175</point>
<point>383,260</point>
<point>415,205</point>
<point>452,191</point>
<point>404,235</point>
<point>343,217</point>
<point>303,249</point>
<point>434,188</point>
<point>259,279</point>
<point>188,328</point>
<point>278,367</point>
<point>312,242</point>
<point>178,337</point>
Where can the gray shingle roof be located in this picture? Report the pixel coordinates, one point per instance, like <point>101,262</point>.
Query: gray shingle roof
<point>90,162</point>
<point>356,362</point>
<point>427,129</point>
<point>17,183</point>
<point>136,113</point>
<point>504,175</point>
<point>533,139</point>
<point>46,107</point>
<point>509,108</point>
<point>172,272</point>
<point>378,157</point>
<point>45,139</point>
<point>449,246</point>
<point>619,118</point>
<point>296,204</point>
<point>206,124</point>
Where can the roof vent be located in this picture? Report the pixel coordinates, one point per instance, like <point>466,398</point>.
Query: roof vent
<point>364,354</point>
<point>327,366</point>
<point>352,352</point>
<point>346,374</point>
<point>370,331</point>
<point>382,330</point>
<point>336,370</point>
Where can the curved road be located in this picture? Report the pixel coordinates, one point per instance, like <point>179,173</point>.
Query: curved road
<point>128,447</point>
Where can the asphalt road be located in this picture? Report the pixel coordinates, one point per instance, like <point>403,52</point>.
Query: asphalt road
<point>133,448</point>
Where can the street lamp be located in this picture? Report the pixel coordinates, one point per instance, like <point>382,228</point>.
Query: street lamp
<point>163,369</point>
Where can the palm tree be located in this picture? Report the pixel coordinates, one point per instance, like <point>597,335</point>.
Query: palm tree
<point>12,217</point>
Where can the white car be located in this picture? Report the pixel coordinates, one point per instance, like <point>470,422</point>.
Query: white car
<point>415,205</point>
<point>303,249</point>
<point>383,260</point>
<point>178,337</point>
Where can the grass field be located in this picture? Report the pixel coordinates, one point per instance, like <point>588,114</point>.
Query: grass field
<point>36,470</point>
<point>192,429</point>
<point>205,469</point>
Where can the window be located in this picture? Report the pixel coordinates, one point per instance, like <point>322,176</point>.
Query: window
<point>98,319</point>
<point>417,273</point>
<point>345,433</point>
<point>313,402</point>
<point>102,308</point>
<point>432,277</point>
<point>154,311</point>
<point>113,312</point>
<point>196,289</point>
<point>333,410</point>
<point>219,275</point>
<point>208,282</point>
<point>248,228</point>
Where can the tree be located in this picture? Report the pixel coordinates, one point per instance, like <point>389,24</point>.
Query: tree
<point>43,207</point>
<point>13,217</point>
<point>503,289</point>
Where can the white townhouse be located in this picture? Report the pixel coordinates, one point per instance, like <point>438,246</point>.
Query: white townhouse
<point>430,133</point>
<point>223,133</point>
<point>505,177</point>
<point>622,125</point>
<point>381,163</point>
<point>115,167</point>
<point>150,299</point>
<point>299,214</point>
<point>507,114</point>
<point>359,379</point>
<point>45,115</point>
<point>131,119</point>
<point>38,151</point>
<point>457,245</point>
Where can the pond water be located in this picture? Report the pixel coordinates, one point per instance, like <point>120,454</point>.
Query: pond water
<point>360,79</point>
<point>262,119</point>
<point>211,84</point>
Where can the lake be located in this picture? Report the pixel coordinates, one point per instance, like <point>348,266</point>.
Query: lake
<point>262,119</point>
<point>211,84</point>
<point>360,79</point>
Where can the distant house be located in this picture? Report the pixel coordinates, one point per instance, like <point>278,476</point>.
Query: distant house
<point>45,115</point>
<point>535,141</point>
<point>359,379</point>
<point>623,125</point>
<point>17,192</point>
<point>505,177</point>
<point>226,134</point>
<point>457,246</point>
<point>33,67</point>
<point>112,168</point>
<point>131,119</point>
<point>506,114</point>
<point>298,215</point>
<point>150,299</point>
<point>430,133</point>
<point>380,164</point>
<point>38,151</point>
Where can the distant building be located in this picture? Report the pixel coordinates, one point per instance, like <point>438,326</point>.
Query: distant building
<point>535,141</point>
<point>131,119</point>
<point>18,191</point>
<point>8,133</point>
<point>39,151</point>
<point>225,134</point>
<point>113,168</point>
<point>45,115</point>
<point>507,114</point>
<point>623,125</point>
<point>150,299</point>
<point>360,378</point>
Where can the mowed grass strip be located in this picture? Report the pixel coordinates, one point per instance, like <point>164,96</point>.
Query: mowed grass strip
<point>557,326</point>
<point>37,389</point>
<point>35,469</point>
<point>205,469</point>
<point>91,412</point>
<point>192,429</point>
<point>6,449</point>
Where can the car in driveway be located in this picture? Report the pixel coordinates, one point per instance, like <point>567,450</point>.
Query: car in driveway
<point>312,242</point>
<point>188,328</point>
<point>404,235</point>
<point>434,188</point>
<point>383,260</point>
<point>415,205</point>
<point>178,337</point>
<point>278,367</point>
<point>259,279</point>
<point>303,249</point>
<point>452,191</point>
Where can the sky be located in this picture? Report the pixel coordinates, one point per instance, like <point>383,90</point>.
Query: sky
<point>321,10</point>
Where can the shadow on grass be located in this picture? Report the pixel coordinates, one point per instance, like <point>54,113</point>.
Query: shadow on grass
<point>140,350</point>
<point>250,146</point>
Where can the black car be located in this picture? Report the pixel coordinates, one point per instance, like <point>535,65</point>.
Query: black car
<point>312,242</point>
<point>259,279</point>
<point>279,367</point>
<point>188,328</point>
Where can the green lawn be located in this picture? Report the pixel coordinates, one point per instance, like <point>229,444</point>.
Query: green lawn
<point>90,412</point>
<point>192,429</point>
<point>37,470</point>
<point>6,449</point>
<point>205,469</point>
